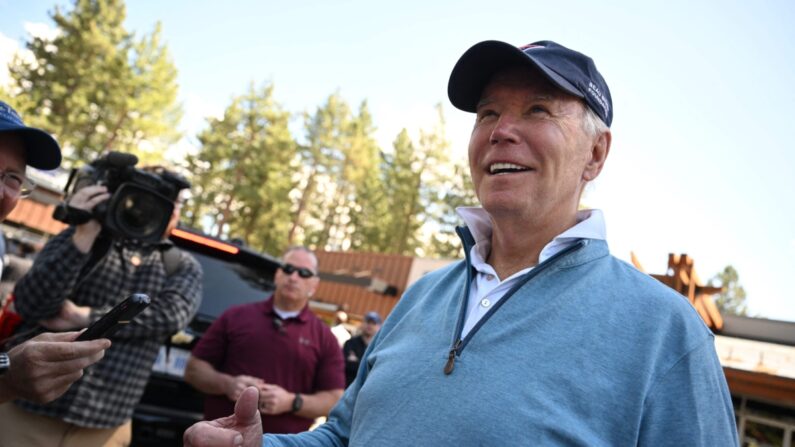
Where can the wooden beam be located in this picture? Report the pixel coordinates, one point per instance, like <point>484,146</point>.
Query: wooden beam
<point>702,311</point>
<point>667,280</point>
<point>712,310</point>
<point>708,290</point>
<point>672,262</point>
<point>761,385</point>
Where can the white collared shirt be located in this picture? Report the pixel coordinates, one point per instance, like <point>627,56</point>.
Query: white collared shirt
<point>486,289</point>
<point>283,314</point>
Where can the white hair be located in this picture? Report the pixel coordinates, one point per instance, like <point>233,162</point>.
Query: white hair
<point>592,124</point>
<point>303,249</point>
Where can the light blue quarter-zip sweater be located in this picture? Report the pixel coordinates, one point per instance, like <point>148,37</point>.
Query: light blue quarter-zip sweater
<point>585,351</point>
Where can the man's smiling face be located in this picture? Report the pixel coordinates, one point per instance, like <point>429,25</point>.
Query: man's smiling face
<point>529,153</point>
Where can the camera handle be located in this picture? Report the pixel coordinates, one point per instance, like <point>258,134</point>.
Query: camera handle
<point>71,215</point>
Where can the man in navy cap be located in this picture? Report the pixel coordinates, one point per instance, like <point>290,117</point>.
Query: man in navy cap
<point>44,367</point>
<point>539,337</point>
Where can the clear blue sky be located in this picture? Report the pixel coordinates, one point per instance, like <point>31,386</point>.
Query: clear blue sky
<point>704,97</point>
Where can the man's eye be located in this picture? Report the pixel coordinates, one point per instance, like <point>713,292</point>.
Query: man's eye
<point>486,113</point>
<point>13,181</point>
<point>538,109</point>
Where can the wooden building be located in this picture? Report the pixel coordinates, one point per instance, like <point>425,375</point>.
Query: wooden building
<point>757,355</point>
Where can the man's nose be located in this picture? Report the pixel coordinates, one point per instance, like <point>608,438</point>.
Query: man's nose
<point>505,130</point>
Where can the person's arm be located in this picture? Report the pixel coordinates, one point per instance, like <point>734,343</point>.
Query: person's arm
<point>223,432</point>
<point>202,376</point>
<point>43,368</point>
<point>276,400</point>
<point>690,404</point>
<point>41,293</point>
<point>171,309</point>
<point>328,385</point>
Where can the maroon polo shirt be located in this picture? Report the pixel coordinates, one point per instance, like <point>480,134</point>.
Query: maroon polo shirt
<point>302,355</point>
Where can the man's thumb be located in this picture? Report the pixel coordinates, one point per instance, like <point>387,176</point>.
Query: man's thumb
<point>246,411</point>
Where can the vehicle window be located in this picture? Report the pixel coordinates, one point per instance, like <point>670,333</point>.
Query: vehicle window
<point>227,284</point>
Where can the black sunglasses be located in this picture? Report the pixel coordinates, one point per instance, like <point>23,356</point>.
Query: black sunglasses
<point>289,269</point>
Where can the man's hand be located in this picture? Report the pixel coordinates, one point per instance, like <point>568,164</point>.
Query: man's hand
<point>44,367</point>
<point>274,399</point>
<point>238,384</point>
<point>242,429</point>
<point>71,317</point>
<point>86,199</point>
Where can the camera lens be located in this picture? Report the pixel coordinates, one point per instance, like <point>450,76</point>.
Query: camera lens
<point>140,213</point>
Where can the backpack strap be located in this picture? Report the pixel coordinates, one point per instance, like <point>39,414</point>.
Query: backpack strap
<point>99,250</point>
<point>172,257</point>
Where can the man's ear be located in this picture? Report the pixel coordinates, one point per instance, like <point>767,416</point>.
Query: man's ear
<point>599,151</point>
<point>315,283</point>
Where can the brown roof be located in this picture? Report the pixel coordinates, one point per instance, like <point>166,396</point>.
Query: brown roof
<point>36,215</point>
<point>361,282</point>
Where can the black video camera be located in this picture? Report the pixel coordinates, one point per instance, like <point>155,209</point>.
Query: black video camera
<point>141,202</point>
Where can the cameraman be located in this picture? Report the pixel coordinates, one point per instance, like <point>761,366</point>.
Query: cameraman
<point>76,279</point>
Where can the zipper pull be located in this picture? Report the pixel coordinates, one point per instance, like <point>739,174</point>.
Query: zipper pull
<point>448,367</point>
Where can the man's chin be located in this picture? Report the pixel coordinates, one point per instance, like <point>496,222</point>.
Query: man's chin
<point>294,296</point>
<point>499,206</point>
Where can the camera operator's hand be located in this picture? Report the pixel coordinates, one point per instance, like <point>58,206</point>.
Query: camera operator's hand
<point>86,199</point>
<point>71,316</point>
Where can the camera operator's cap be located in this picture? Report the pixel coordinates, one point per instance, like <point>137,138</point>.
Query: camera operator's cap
<point>571,71</point>
<point>372,317</point>
<point>41,149</point>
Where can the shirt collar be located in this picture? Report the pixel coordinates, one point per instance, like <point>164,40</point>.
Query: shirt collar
<point>590,225</point>
<point>268,309</point>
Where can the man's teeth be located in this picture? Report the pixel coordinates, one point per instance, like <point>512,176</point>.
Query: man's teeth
<point>498,168</point>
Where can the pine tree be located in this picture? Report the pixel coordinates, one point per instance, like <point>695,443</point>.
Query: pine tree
<point>98,88</point>
<point>457,191</point>
<point>732,299</point>
<point>415,177</point>
<point>244,172</point>
<point>321,212</point>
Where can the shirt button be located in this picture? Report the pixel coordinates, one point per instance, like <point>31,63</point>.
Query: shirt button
<point>490,277</point>
<point>485,302</point>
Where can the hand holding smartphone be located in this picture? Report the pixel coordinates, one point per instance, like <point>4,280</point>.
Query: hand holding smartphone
<point>116,318</point>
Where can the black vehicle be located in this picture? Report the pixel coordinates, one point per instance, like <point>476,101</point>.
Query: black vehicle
<point>232,275</point>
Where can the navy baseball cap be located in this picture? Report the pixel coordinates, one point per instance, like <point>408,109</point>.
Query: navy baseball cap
<point>41,149</point>
<point>569,70</point>
<point>372,317</point>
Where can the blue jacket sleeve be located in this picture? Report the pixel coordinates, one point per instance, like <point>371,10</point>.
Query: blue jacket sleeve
<point>690,404</point>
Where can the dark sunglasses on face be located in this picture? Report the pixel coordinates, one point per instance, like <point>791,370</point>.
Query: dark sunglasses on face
<point>303,272</point>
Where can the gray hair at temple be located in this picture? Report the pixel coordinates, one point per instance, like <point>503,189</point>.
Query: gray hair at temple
<point>591,123</point>
<point>303,249</point>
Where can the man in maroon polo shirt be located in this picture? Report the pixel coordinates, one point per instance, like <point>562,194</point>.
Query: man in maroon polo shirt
<point>277,345</point>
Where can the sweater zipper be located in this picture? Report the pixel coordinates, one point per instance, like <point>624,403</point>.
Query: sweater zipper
<point>459,344</point>
<point>448,367</point>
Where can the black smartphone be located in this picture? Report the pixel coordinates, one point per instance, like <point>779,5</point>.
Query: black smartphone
<point>116,318</point>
